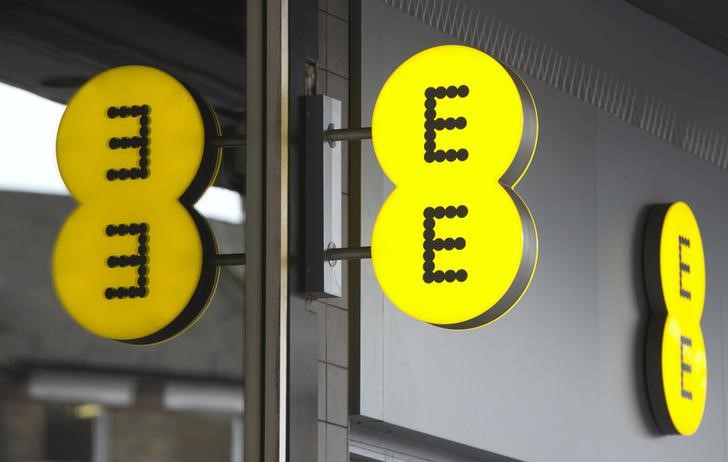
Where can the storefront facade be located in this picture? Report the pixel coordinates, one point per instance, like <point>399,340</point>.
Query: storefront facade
<point>627,105</point>
<point>628,118</point>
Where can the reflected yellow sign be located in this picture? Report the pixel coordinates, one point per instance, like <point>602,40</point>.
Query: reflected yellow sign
<point>676,357</point>
<point>130,262</point>
<point>455,131</point>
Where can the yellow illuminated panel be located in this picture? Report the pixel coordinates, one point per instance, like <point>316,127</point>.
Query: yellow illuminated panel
<point>454,130</point>
<point>130,262</point>
<point>676,355</point>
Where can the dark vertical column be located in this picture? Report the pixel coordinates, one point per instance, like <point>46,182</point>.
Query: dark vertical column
<point>334,77</point>
<point>303,329</point>
<point>254,383</point>
<point>354,200</point>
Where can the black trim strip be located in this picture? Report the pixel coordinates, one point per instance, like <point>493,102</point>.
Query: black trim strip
<point>203,292</point>
<point>529,134</point>
<point>523,275</point>
<point>658,319</point>
<point>651,258</point>
<point>211,156</point>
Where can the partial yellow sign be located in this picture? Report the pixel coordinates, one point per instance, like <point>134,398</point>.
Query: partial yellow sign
<point>130,261</point>
<point>454,245</point>
<point>676,356</point>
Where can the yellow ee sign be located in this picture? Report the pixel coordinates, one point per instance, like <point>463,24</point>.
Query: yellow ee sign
<point>129,263</point>
<point>455,131</point>
<point>677,368</point>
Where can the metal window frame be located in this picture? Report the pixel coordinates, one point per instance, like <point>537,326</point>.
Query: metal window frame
<point>266,295</point>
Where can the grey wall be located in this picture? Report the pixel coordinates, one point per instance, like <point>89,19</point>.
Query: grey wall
<point>331,361</point>
<point>561,377</point>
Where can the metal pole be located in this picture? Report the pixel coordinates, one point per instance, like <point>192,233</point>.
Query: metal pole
<point>348,134</point>
<point>349,253</point>
<point>228,141</point>
<point>254,431</point>
<point>228,259</point>
<point>101,449</point>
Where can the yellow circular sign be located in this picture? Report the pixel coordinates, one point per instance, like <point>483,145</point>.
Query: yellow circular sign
<point>676,356</point>
<point>137,132</point>
<point>454,130</point>
<point>130,262</point>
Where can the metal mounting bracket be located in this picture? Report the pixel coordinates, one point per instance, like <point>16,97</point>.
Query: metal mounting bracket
<point>322,198</point>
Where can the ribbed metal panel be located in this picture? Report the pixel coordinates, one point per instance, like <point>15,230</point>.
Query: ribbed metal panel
<point>528,55</point>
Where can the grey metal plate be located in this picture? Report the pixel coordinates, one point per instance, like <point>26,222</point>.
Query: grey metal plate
<point>561,376</point>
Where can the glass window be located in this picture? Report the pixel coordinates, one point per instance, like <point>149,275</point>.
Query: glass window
<point>67,394</point>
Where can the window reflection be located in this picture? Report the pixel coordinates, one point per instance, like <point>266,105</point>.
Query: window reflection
<point>66,395</point>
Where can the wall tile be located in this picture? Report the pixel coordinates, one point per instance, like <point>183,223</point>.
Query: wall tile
<point>337,443</point>
<point>337,46</point>
<point>321,441</point>
<point>337,387</point>
<point>338,87</point>
<point>322,39</point>
<point>319,308</point>
<point>337,336</point>
<point>322,390</point>
<point>320,81</point>
<point>339,8</point>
